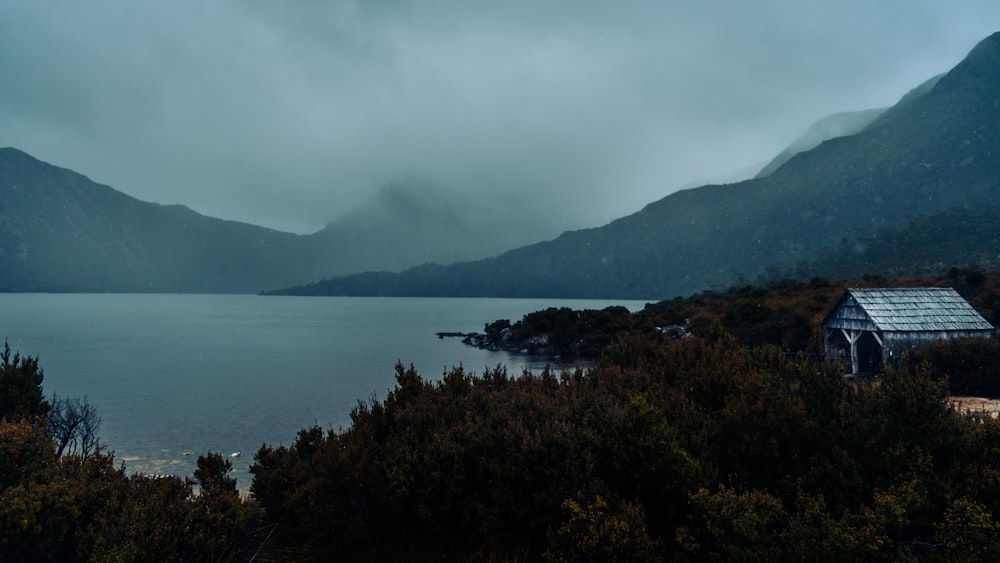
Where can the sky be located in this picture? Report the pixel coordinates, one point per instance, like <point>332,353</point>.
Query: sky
<point>289,114</point>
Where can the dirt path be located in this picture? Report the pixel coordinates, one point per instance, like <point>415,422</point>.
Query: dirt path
<point>967,404</point>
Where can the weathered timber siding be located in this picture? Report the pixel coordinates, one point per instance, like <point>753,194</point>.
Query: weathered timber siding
<point>873,326</point>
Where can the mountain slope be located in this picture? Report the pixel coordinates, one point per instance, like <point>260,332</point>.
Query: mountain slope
<point>924,156</point>
<point>839,125</point>
<point>60,231</point>
<point>830,127</point>
<point>412,222</point>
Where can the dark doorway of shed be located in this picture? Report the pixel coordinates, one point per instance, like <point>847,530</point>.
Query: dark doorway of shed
<point>867,348</point>
<point>869,354</point>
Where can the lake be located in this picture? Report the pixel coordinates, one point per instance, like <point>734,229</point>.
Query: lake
<point>175,376</point>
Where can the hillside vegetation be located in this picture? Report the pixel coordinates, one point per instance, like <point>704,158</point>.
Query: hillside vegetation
<point>785,313</point>
<point>719,445</point>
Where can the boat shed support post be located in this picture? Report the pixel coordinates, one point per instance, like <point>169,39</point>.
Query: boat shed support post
<point>885,353</point>
<point>852,338</point>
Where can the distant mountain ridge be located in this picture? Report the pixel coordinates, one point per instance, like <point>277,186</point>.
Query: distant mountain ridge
<point>840,125</point>
<point>929,155</point>
<point>413,221</point>
<point>927,161</point>
<point>60,231</point>
<point>830,127</point>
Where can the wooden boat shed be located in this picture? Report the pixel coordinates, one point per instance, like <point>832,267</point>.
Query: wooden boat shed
<point>871,328</point>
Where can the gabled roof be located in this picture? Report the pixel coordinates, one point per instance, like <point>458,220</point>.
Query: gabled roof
<point>912,310</point>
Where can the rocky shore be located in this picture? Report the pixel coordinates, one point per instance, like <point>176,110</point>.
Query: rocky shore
<point>537,345</point>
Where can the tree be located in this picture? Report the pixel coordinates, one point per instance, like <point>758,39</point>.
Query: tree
<point>732,526</point>
<point>594,531</point>
<point>969,532</point>
<point>73,424</point>
<point>20,387</point>
<point>37,508</point>
<point>221,523</point>
<point>213,473</point>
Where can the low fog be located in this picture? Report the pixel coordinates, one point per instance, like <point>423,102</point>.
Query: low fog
<point>291,115</point>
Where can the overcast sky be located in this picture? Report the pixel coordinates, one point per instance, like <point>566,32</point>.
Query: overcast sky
<point>288,114</point>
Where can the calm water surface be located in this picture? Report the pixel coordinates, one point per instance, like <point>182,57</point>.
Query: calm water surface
<point>175,376</point>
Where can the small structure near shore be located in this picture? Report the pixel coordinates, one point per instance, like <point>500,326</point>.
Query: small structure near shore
<point>871,328</point>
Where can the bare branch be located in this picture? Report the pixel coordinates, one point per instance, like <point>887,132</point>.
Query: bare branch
<point>73,424</point>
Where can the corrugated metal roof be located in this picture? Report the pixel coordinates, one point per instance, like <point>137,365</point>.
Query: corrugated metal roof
<point>919,309</point>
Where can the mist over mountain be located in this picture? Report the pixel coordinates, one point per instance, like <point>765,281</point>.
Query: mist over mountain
<point>830,127</point>
<point>930,155</point>
<point>411,222</point>
<point>60,231</point>
<point>924,164</point>
<point>839,125</point>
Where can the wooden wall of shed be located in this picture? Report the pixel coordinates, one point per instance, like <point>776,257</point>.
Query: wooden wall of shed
<point>894,345</point>
<point>849,315</point>
<point>897,343</point>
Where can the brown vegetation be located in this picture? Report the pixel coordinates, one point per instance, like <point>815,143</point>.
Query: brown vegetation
<point>717,446</point>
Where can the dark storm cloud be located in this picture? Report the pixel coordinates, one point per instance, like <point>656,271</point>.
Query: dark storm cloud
<point>288,113</point>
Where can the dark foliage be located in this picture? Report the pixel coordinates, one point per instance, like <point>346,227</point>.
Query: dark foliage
<point>970,365</point>
<point>21,395</point>
<point>562,331</point>
<point>784,313</point>
<point>714,445</point>
<point>62,499</point>
<point>698,449</point>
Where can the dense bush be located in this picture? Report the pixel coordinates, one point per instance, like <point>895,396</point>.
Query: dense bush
<point>73,509</point>
<point>717,446</point>
<point>784,313</point>
<point>20,387</point>
<point>56,506</point>
<point>563,332</point>
<point>971,365</point>
<point>698,449</point>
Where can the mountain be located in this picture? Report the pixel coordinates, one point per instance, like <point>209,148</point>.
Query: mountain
<point>839,125</point>
<point>60,231</point>
<point>830,127</point>
<point>929,155</point>
<point>410,222</point>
